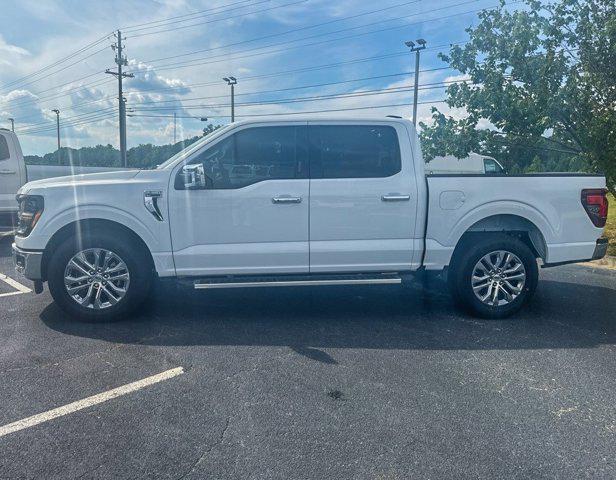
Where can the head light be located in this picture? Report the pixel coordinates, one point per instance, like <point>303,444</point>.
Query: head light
<point>30,210</point>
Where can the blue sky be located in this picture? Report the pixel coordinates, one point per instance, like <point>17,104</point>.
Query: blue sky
<point>269,45</point>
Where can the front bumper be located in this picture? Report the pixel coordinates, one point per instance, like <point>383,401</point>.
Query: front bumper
<point>28,263</point>
<point>600,248</point>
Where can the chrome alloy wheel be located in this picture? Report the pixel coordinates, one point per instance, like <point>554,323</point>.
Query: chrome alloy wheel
<point>498,278</point>
<point>96,278</point>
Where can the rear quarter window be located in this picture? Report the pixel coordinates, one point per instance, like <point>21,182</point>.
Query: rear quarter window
<point>4,149</point>
<point>354,151</point>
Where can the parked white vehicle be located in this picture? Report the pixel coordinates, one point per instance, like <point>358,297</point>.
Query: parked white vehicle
<point>315,202</point>
<point>14,174</point>
<point>473,163</point>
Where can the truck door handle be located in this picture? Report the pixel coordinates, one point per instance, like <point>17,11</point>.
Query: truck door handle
<point>7,172</point>
<point>394,197</point>
<point>285,200</point>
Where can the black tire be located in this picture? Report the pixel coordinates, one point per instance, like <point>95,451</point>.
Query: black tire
<point>468,254</point>
<point>137,262</point>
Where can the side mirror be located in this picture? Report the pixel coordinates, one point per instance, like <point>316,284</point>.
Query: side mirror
<point>195,178</point>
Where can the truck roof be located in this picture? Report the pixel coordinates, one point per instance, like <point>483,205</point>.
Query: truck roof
<point>323,118</point>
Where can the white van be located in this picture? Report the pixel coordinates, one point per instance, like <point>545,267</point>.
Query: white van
<point>474,163</point>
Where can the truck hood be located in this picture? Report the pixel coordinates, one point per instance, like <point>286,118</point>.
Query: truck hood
<point>105,178</point>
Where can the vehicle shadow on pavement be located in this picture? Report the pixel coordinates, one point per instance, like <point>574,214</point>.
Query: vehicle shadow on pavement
<point>561,315</point>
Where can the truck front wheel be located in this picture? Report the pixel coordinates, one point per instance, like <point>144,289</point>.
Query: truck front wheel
<point>101,278</point>
<point>493,276</point>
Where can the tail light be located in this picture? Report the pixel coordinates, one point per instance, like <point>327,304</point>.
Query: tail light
<point>595,203</point>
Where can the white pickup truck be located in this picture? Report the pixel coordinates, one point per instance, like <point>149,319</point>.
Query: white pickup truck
<point>14,173</point>
<point>302,202</point>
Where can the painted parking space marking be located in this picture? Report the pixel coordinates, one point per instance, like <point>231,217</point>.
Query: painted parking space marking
<point>89,401</point>
<point>19,288</point>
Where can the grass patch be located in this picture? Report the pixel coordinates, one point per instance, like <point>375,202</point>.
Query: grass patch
<point>610,227</point>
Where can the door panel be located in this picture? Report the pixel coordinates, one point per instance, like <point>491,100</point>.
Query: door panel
<point>365,222</point>
<point>254,217</point>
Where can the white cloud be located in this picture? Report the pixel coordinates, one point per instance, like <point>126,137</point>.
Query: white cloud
<point>9,54</point>
<point>21,105</point>
<point>146,79</point>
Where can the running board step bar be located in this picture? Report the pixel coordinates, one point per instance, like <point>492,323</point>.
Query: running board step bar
<point>248,282</point>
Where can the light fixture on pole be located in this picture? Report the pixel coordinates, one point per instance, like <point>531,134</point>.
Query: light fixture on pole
<point>416,47</point>
<point>12,120</point>
<point>232,82</point>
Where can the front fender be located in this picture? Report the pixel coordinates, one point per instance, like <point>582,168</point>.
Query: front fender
<point>48,226</point>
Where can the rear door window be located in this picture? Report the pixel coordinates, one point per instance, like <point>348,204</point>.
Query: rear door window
<point>354,151</point>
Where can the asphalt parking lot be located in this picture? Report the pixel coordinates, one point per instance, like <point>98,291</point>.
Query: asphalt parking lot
<point>322,383</point>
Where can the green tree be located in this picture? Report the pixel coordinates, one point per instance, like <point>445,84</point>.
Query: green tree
<point>143,156</point>
<point>543,76</point>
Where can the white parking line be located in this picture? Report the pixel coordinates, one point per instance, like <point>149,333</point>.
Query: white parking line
<point>88,402</point>
<point>15,284</point>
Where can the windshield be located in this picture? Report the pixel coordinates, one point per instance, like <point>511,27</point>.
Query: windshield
<point>192,148</point>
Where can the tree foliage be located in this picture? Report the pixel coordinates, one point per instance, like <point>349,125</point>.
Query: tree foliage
<point>541,88</point>
<point>143,156</point>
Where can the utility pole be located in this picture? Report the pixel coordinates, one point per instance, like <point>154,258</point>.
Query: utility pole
<point>232,81</point>
<point>421,44</point>
<point>121,61</point>
<point>175,125</point>
<point>12,120</point>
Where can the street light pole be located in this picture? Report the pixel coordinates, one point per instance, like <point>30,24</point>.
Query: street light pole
<point>57,112</point>
<point>12,120</point>
<point>421,44</point>
<point>232,81</point>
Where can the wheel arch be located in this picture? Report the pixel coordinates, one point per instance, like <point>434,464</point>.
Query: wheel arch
<point>91,226</point>
<point>509,224</point>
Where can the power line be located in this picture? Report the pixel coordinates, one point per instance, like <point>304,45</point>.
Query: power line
<point>299,87</point>
<point>198,13</point>
<point>338,39</point>
<point>226,56</point>
<point>57,62</point>
<point>84,121</point>
<point>244,79</point>
<point>63,68</point>
<point>166,116</point>
<point>29,125</point>
<point>326,41</point>
<point>279,73</point>
<point>54,88</point>
<point>220,19</point>
<point>363,93</point>
<point>194,52</point>
<point>357,93</point>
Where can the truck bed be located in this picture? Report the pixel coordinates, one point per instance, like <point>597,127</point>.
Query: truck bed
<point>550,202</point>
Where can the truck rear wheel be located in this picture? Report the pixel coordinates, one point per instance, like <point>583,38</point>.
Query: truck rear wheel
<point>101,278</point>
<point>493,276</point>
